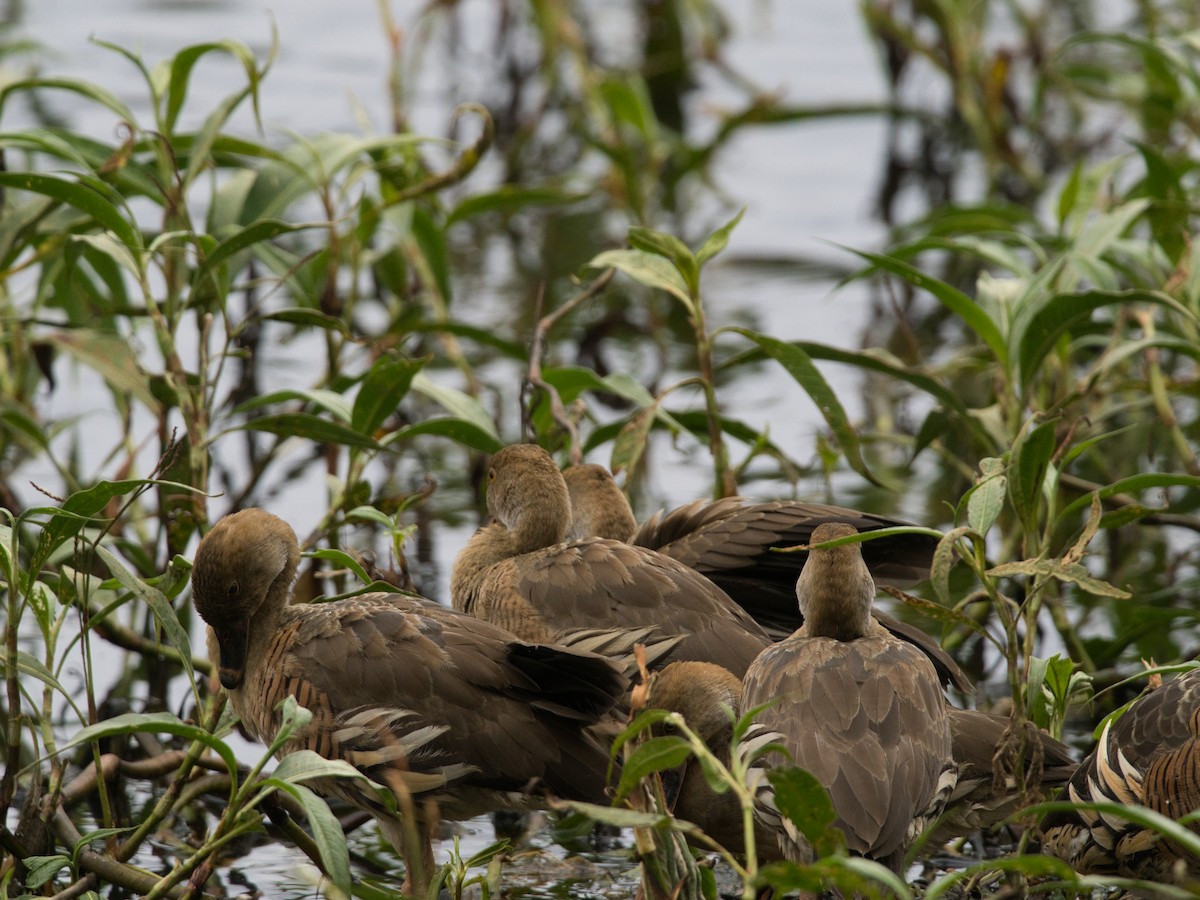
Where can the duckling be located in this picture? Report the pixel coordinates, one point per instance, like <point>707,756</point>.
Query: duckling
<point>1150,756</point>
<point>433,704</point>
<point>520,572</point>
<point>859,708</point>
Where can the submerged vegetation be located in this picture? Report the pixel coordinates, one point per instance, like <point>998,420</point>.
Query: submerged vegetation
<point>247,321</point>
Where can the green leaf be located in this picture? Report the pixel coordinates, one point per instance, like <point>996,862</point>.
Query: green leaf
<point>798,364</point>
<point>100,206</point>
<point>509,199</point>
<point>459,404</point>
<point>1031,455</point>
<point>1131,485</point>
<point>344,560</point>
<point>717,241</point>
<point>655,755</point>
<point>41,869</point>
<point>986,498</point>
<point>153,723</point>
<point>309,318</point>
<point>1063,571</point>
<point>383,387</point>
<point>1063,313</point>
<point>326,831</point>
<point>648,268</point>
<point>461,431</point>
<point>672,248</point>
<point>623,818</point>
<point>331,401</point>
<point>310,427</point>
<point>112,358</point>
<point>950,297</point>
<point>801,797</point>
<point>631,441</point>
<point>243,239</point>
<point>159,605</point>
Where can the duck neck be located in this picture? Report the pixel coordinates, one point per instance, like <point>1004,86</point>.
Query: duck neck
<point>835,591</point>
<point>490,545</point>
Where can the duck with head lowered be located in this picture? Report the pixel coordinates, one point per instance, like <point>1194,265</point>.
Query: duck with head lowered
<point>519,571</point>
<point>447,712</point>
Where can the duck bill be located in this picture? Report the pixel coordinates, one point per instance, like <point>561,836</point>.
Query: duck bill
<point>232,639</point>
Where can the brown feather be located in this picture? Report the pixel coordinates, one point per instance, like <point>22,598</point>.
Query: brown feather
<point>860,709</point>
<point>519,573</point>
<point>1149,756</point>
<point>415,695</point>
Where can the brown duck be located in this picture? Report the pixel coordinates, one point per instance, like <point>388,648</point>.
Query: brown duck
<point>431,703</point>
<point>732,542</point>
<point>856,706</point>
<point>520,572</point>
<point>987,793</point>
<point>709,698</point>
<point>1150,756</point>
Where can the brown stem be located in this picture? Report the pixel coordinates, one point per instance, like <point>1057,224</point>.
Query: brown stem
<point>534,378</point>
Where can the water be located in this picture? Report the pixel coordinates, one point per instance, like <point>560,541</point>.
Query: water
<point>806,187</point>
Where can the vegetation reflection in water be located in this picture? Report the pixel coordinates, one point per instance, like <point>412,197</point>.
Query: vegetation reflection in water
<point>250,320</point>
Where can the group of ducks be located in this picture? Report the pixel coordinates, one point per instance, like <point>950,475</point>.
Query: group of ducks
<point>508,697</point>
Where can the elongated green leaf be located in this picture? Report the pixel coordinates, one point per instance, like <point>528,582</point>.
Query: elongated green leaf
<point>111,357</point>
<point>78,511</point>
<point>459,404</point>
<point>943,562</point>
<point>344,560</point>
<point>655,755</point>
<point>986,499</point>
<point>85,89</point>
<point>181,70</point>
<point>509,199</point>
<point>331,401</point>
<point>1031,456</point>
<point>1063,571</point>
<point>305,765</point>
<point>1063,313</point>
<point>671,248</point>
<point>624,818</point>
<point>310,427</point>
<point>159,605</point>
<point>631,442</point>
<point>309,318</point>
<point>31,666</point>
<point>800,366</point>
<point>81,196</point>
<point>950,297</point>
<point>1133,484</point>
<point>717,241</point>
<point>464,432</point>
<point>327,832</point>
<point>153,723</point>
<point>383,387</point>
<point>243,239</point>
<point>649,269</point>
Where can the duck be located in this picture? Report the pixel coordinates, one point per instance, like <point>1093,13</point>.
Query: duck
<point>453,715</point>
<point>520,571</point>
<point>861,709</point>
<point>709,698</point>
<point>985,794</point>
<point>733,543</point>
<point>1149,756</point>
